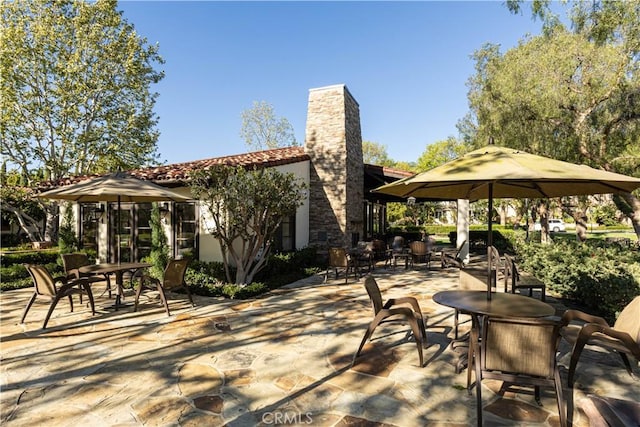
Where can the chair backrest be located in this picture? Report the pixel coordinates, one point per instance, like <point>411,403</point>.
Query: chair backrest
<point>459,251</point>
<point>379,245</point>
<point>520,346</point>
<point>71,262</point>
<point>338,257</point>
<point>42,279</point>
<point>510,270</point>
<point>398,244</point>
<point>493,256</point>
<point>629,320</point>
<point>418,247</point>
<point>373,290</point>
<point>174,273</point>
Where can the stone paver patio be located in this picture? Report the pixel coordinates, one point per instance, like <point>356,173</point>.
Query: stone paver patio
<point>284,358</point>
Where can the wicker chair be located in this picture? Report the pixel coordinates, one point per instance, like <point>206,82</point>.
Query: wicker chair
<point>173,280</point>
<point>339,259</point>
<point>519,351</point>
<point>623,337</point>
<point>55,288</point>
<point>72,262</point>
<point>518,280</point>
<point>420,252</point>
<point>382,312</point>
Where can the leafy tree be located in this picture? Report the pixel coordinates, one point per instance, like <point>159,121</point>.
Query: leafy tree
<point>374,153</point>
<point>262,129</point>
<point>246,208</point>
<point>19,207</point>
<point>573,96</point>
<point>441,152</point>
<point>75,95</point>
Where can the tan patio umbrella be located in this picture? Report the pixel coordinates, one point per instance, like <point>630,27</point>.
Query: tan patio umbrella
<point>494,171</point>
<point>115,187</point>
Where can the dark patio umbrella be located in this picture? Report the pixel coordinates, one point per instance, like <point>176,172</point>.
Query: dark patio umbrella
<point>116,187</point>
<point>494,171</point>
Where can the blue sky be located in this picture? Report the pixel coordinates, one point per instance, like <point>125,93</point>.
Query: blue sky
<point>406,63</point>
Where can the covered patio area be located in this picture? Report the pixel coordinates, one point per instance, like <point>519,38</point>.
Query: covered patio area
<point>284,358</point>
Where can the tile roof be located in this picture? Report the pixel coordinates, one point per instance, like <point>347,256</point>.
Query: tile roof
<point>178,173</point>
<point>261,159</point>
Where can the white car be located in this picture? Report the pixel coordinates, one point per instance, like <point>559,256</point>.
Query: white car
<point>555,225</point>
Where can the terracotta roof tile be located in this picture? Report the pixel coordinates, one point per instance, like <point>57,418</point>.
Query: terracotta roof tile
<point>179,172</point>
<point>260,159</point>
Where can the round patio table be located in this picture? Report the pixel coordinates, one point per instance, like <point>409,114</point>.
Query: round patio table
<point>118,269</point>
<point>501,304</point>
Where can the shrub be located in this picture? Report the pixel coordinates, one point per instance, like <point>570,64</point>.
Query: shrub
<point>209,279</point>
<point>604,278</point>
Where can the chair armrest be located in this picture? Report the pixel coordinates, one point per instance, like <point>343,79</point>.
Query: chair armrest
<point>404,300</point>
<point>62,279</point>
<point>570,315</point>
<point>591,328</point>
<point>404,311</point>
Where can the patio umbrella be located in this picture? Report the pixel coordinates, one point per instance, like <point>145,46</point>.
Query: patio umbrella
<point>494,171</point>
<point>116,187</point>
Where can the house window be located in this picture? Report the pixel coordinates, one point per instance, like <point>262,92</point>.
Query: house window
<point>186,229</point>
<point>89,220</point>
<point>142,232</point>
<point>285,236</point>
<point>374,219</point>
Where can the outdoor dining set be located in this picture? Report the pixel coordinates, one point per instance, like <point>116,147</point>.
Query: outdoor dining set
<point>515,338</point>
<point>80,275</point>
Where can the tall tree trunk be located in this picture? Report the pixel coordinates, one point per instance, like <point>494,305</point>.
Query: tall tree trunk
<point>631,210</point>
<point>544,224</point>
<point>51,223</point>
<point>581,225</point>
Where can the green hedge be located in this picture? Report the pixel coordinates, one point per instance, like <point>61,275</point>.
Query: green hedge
<point>15,276</point>
<point>602,277</point>
<point>208,278</point>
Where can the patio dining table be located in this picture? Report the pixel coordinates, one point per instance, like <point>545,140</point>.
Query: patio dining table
<point>118,269</point>
<point>501,304</point>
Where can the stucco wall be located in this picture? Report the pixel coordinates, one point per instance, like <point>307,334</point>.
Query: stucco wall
<point>209,247</point>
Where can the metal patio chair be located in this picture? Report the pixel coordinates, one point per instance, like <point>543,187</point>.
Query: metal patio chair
<point>55,288</point>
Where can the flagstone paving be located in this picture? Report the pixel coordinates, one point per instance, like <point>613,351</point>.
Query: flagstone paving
<point>282,359</point>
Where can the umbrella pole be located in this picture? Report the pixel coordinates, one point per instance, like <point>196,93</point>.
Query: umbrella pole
<point>489,243</point>
<point>118,230</point>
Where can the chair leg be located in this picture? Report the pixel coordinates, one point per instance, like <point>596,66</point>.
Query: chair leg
<point>53,305</point>
<point>87,289</point>
<point>455,324</point>
<point>138,292</point>
<point>372,326</point>
<point>71,301</point>
<point>29,304</point>
<point>108,280</point>
<point>562,413</point>
<point>478,387</point>
<point>423,329</point>
<point>575,356</point>
<point>627,365</point>
<point>536,393</point>
<point>163,297</point>
<point>417,333</point>
<point>186,288</point>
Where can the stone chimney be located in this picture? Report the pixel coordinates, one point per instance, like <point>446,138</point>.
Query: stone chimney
<point>334,142</point>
